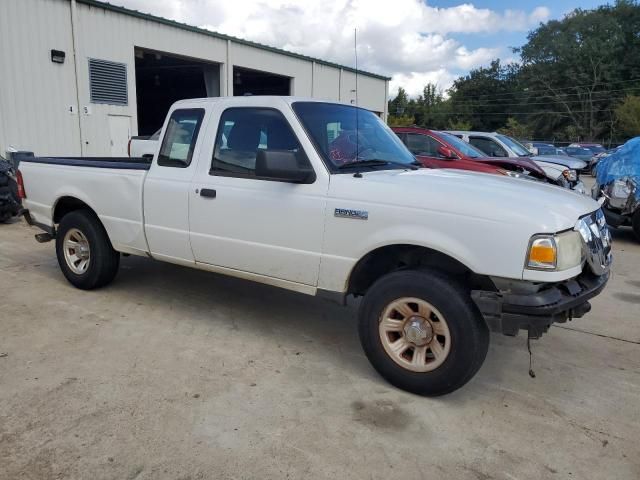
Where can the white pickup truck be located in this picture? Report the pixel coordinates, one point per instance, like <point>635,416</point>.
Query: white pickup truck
<point>323,197</point>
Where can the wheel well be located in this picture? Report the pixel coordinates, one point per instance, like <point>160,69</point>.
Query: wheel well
<point>390,258</point>
<point>67,205</point>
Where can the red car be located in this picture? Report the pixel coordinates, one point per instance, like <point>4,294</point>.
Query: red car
<point>442,150</point>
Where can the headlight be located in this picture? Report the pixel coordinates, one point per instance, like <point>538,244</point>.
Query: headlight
<point>559,252</point>
<point>513,174</point>
<point>620,189</point>
<point>570,175</point>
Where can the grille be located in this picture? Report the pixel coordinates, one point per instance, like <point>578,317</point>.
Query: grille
<point>108,82</point>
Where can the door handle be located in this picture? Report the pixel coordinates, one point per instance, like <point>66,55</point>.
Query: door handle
<point>208,192</point>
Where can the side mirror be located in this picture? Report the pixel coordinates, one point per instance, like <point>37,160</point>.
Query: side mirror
<point>446,153</point>
<point>282,166</point>
<point>498,153</point>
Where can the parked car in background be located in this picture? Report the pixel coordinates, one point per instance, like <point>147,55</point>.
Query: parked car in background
<point>541,148</point>
<point>502,146</point>
<point>594,148</point>
<point>435,149</point>
<point>9,197</point>
<point>323,198</point>
<point>618,185</point>
<point>143,146</point>
<point>580,153</point>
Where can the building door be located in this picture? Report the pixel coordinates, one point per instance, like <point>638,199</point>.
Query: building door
<point>119,134</point>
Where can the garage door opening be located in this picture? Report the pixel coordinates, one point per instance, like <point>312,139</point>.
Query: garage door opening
<point>254,82</point>
<point>162,79</point>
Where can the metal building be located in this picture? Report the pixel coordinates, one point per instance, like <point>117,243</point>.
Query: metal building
<point>79,77</point>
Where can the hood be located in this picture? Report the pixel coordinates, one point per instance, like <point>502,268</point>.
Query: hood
<point>569,162</point>
<point>510,162</point>
<point>538,206</point>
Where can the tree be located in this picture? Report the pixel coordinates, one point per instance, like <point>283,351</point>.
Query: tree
<point>515,129</point>
<point>398,105</point>
<point>459,125</point>
<point>574,68</point>
<point>628,116</point>
<point>485,96</point>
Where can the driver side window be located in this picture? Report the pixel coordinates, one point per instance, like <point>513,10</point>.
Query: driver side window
<point>488,146</point>
<point>419,144</point>
<point>243,132</point>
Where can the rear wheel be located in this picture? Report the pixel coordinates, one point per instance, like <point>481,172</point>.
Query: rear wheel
<point>422,332</point>
<point>85,254</point>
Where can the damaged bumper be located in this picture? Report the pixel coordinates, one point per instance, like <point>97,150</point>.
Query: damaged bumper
<point>508,313</point>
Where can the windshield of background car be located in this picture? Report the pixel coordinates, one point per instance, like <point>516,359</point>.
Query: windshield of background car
<point>462,146</point>
<point>517,147</point>
<point>343,134</point>
<point>595,149</point>
<point>579,151</point>
<point>545,150</point>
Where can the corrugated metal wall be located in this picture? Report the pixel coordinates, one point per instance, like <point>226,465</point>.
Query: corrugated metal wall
<point>35,94</point>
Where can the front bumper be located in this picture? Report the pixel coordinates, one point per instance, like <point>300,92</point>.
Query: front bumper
<point>578,186</point>
<point>615,219</point>
<point>509,313</point>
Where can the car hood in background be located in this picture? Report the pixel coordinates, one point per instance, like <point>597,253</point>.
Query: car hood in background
<point>507,162</point>
<point>569,162</point>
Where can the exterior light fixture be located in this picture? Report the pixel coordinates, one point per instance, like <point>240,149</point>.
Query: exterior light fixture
<point>57,56</point>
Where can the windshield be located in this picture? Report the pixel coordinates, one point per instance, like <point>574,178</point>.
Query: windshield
<point>343,134</point>
<point>514,145</point>
<point>595,148</point>
<point>462,146</point>
<point>578,151</point>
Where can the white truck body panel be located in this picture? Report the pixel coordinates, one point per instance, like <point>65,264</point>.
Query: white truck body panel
<point>287,234</point>
<point>115,195</point>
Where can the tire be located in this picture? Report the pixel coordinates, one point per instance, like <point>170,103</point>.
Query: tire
<point>83,228</point>
<point>464,331</point>
<point>635,223</point>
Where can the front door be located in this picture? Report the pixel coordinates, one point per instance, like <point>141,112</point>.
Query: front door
<point>119,134</point>
<point>425,148</point>
<point>248,223</point>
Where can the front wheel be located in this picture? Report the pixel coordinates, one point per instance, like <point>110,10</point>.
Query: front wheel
<point>635,223</point>
<point>421,331</point>
<point>85,254</point>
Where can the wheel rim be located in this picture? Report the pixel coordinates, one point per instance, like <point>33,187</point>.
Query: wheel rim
<point>76,249</point>
<point>414,334</point>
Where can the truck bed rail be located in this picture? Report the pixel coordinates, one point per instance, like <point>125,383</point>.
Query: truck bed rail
<point>122,163</point>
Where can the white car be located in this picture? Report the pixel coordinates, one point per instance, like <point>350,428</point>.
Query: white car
<point>322,197</point>
<point>560,169</point>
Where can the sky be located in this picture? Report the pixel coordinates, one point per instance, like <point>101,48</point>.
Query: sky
<point>414,42</point>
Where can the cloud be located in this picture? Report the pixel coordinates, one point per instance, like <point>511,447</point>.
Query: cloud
<point>405,39</point>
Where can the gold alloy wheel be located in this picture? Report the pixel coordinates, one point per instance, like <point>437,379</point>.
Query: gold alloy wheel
<point>414,334</point>
<point>76,250</point>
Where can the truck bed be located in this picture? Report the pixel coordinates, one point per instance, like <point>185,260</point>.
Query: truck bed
<point>110,186</point>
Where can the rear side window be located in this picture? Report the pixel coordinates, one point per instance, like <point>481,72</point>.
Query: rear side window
<point>243,132</point>
<point>488,146</point>
<point>180,138</point>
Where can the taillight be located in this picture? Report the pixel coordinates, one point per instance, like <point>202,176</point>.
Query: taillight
<point>129,148</point>
<point>22,194</point>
